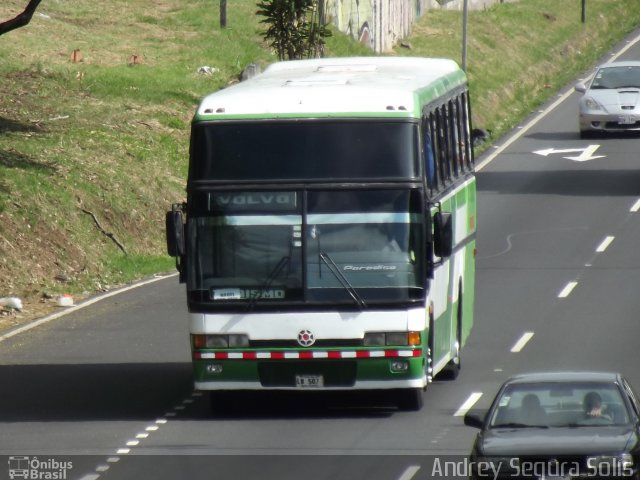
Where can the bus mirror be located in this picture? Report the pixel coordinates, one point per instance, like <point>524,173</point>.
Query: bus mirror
<point>442,234</point>
<point>175,234</point>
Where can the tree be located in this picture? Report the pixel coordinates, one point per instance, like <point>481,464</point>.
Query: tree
<point>294,28</point>
<point>22,19</point>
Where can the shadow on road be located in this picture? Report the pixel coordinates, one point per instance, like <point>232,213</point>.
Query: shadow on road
<point>140,391</point>
<point>588,183</point>
<point>91,392</point>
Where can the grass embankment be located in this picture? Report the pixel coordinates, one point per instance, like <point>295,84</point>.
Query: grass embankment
<point>93,146</point>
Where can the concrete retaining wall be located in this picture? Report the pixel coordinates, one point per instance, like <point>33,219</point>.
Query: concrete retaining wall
<point>381,24</point>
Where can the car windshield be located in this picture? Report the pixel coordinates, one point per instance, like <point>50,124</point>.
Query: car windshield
<point>617,77</point>
<point>554,404</point>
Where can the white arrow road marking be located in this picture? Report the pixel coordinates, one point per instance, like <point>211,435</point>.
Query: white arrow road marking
<point>587,153</point>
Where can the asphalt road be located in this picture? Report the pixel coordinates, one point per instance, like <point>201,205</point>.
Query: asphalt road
<point>107,388</point>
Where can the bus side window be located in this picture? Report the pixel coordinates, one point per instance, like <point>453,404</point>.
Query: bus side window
<point>458,145</point>
<point>451,139</point>
<point>436,145</point>
<point>441,150</point>
<point>466,130</point>
<point>430,163</point>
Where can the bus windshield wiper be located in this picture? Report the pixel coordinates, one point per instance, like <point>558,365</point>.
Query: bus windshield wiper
<point>333,268</point>
<point>284,261</point>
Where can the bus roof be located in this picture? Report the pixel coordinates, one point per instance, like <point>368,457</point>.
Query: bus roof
<point>337,87</point>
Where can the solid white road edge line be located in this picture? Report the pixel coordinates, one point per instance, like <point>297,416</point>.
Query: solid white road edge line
<point>544,112</point>
<point>91,301</point>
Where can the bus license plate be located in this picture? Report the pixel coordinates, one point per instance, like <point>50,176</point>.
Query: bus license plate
<point>309,381</point>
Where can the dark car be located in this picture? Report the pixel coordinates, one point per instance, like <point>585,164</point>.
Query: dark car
<point>559,425</point>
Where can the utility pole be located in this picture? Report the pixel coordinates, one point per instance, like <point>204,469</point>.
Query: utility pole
<point>465,17</point>
<point>584,11</point>
<point>223,13</point>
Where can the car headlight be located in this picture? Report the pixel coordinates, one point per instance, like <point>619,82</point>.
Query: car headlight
<point>591,104</point>
<point>611,465</point>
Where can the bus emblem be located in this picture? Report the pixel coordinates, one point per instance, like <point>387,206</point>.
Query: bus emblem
<point>306,338</point>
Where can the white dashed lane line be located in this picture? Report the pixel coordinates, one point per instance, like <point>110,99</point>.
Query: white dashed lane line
<point>566,291</point>
<point>132,443</point>
<point>468,404</point>
<point>409,473</point>
<point>522,341</point>
<point>605,243</point>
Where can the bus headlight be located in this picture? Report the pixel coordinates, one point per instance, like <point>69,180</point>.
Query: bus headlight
<point>238,341</point>
<point>233,340</point>
<point>372,339</point>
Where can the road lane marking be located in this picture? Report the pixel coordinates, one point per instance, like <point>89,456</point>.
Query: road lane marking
<point>605,243</point>
<point>561,98</point>
<point>409,473</point>
<point>524,130</point>
<point>524,339</point>
<point>586,155</point>
<point>636,206</point>
<point>84,304</point>
<point>468,404</point>
<point>566,291</point>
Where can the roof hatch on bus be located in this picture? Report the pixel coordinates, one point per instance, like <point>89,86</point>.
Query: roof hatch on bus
<point>346,68</point>
<point>312,81</point>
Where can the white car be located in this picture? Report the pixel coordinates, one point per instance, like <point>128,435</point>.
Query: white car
<point>610,101</point>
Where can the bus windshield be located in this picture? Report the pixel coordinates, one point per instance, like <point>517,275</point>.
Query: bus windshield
<point>356,247</point>
<point>304,150</point>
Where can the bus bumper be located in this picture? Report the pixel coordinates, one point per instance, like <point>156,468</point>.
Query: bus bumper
<point>371,373</point>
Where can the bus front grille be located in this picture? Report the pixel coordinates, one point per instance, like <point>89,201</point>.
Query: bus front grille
<point>283,374</point>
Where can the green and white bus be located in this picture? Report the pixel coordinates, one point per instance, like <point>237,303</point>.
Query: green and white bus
<point>328,236</point>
